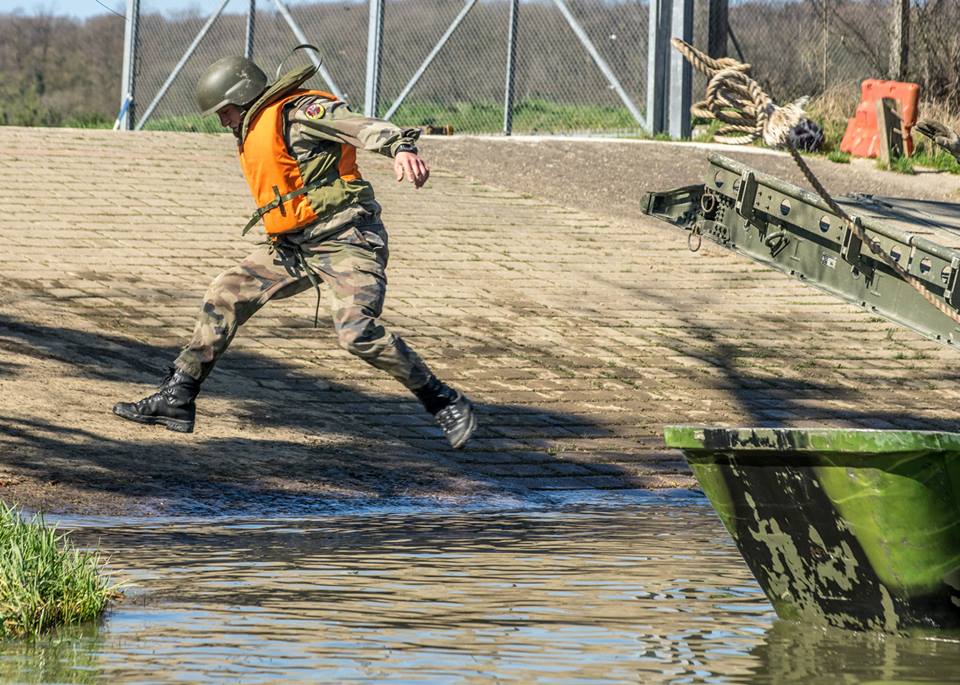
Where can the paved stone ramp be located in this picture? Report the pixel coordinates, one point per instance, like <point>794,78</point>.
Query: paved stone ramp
<point>579,338</point>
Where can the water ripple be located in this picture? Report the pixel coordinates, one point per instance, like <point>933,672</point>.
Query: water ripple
<point>647,592</point>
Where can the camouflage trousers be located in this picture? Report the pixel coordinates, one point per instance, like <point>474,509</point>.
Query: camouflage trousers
<point>351,268</point>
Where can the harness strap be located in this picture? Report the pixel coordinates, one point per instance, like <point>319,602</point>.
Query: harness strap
<point>287,250</point>
<point>314,281</point>
<point>278,201</point>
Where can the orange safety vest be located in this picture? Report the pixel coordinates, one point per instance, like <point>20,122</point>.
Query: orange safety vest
<point>274,176</point>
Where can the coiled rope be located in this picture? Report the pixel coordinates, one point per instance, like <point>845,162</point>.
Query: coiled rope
<point>748,113</point>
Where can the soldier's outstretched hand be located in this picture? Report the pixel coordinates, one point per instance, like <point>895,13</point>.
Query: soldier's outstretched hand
<point>942,135</point>
<point>407,164</point>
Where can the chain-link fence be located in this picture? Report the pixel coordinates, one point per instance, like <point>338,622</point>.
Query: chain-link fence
<point>558,85</point>
<point>580,65</point>
<point>808,47</point>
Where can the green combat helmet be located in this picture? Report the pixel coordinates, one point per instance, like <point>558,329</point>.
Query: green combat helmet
<point>230,81</point>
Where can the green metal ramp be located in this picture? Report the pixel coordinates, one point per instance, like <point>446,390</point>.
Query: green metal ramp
<point>793,231</point>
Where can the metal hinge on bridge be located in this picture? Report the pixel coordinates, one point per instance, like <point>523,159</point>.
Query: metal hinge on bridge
<point>851,245</point>
<point>746,195</point>
<point>952,292</point>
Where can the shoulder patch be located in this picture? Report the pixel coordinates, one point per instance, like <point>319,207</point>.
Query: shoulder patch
<point>314,111</point>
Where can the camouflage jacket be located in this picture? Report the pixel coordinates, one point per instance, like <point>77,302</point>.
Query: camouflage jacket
<point>315,130</point>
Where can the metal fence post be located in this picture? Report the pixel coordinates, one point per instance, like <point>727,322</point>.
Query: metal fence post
<point>658,54</point>
<point>128,78</point>
<point>511,68</point>
<point>251,20</point>
<point>825,45</point>
<point>179,66</point>
<point>681,74</point>
<point>374,55</point>
<point>717,31</point>
<point>901,39</point>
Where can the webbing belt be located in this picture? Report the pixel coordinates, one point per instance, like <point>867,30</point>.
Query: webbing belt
<point>288,250</point>
<point>277,202</point>
<point>314,281</point>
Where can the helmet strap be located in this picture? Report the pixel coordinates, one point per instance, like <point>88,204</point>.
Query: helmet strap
<point>301,46</point>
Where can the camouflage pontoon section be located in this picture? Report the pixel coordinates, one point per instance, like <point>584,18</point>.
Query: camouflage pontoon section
<point>850,528</point>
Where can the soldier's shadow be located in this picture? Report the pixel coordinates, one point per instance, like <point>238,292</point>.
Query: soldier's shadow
<point>769,401</point>
<point>349,442</point>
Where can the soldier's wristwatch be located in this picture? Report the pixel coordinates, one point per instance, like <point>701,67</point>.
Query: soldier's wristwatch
<point>406,147</point>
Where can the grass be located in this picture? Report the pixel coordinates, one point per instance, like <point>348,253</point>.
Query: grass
<point>831,110</point>
<point>901,165</point>
<point>44,580</point>
<point>530,116</point>
<point>839,157</point>
<point>928,155</point>
<point>88,121</point>
<point>705,130</point>
<point>193,123</point>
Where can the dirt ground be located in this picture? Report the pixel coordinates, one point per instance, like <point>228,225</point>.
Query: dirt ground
<point>608,177</point>
<point>525,273</point>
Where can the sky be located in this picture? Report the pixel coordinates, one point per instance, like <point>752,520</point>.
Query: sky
<point>84,9</point>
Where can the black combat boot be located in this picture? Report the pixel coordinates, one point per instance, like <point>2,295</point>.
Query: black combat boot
<point>173,405</point>
<point>452,409</point>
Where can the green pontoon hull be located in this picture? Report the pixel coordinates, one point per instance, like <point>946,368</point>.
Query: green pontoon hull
<point>850,528</point>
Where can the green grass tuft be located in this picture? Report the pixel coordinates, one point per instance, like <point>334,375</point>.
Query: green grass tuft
<point>839,157</point>
<point>931,156</point>
<point>194,123</point>
<point>44,581</point>
<point>705,130</point>
<point>833,131</point>
<point>900,165</point>
<point>88,121</point>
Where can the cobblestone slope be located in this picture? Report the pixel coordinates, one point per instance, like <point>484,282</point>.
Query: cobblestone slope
<point>578,334</point>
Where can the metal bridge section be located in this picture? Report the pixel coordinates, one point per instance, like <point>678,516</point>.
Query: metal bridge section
<point>793,231</point>
<point>482,66</point>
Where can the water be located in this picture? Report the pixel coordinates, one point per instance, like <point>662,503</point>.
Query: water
<point>646,591</point>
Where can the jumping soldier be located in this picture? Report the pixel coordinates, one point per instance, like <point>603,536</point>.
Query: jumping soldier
<point>298,152</point>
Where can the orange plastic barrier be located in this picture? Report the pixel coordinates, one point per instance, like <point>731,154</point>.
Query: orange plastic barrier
<point>861,138</point>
